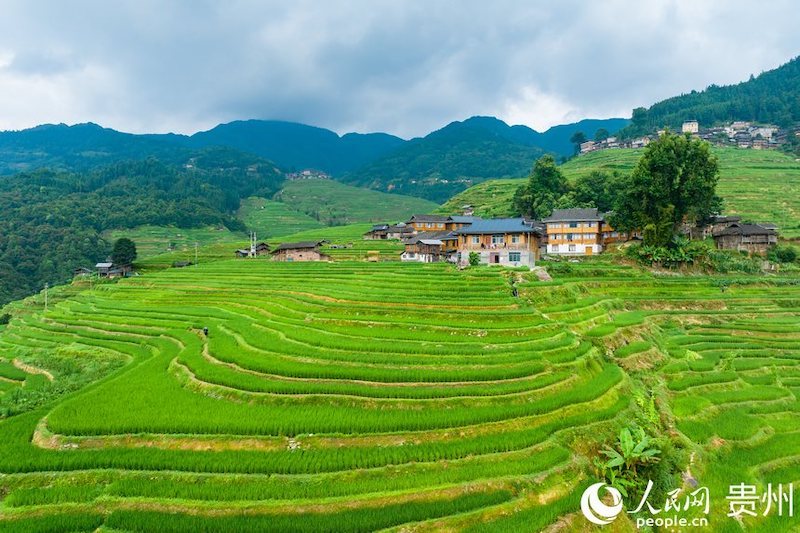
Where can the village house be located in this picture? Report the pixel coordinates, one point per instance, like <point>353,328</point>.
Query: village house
<point>378,232</point>
<point>399,231</point>
<point>110,270</point>
<point>500,241</point>
<point>751,238</point>
<point>82,271</point>
<point>690,126</point>
<point>255,250</point>
<point>435,223</point>
<point>386,231</point>
<point>716,224</point>
<point>456,222</point>
<point>428,223</point>
<point>299,251</point>
<point>577,231</point>
<point>431,247</point>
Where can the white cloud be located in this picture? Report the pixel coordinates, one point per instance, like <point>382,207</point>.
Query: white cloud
<point>538,109</point>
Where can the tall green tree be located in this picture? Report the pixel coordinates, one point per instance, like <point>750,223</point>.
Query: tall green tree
<point>601,134</point>
<point>597,189</point>
<point>540,195</point>
<point>578,138</point>
<point>123,252</point>
<point>674,182</point>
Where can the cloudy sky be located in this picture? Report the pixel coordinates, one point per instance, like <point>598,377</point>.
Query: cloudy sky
<point>405,67</point>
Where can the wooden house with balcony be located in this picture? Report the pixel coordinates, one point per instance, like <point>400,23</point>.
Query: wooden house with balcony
<point>500,241</point>
<point>428,223</point>
<point>577,231</point>
<point>437,223</point>
<point>431,247</point>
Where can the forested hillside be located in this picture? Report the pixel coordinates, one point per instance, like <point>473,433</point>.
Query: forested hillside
<point>51,222</point>
<point>772,97</point>
<point>447,161</point>
<point>465,153</point>
<point>80,147</point>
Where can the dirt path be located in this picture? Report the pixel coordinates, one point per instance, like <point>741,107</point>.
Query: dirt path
<point>32,369</point>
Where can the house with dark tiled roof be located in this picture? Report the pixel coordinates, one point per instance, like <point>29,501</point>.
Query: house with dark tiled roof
<point>299,251</point>
<point>751,238</point>
<point>430,247</point>
<point>500,241</point>
<point>377,232</point>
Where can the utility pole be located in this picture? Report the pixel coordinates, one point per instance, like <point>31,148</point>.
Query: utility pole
<point>46,286</point>
<point>195,254</point>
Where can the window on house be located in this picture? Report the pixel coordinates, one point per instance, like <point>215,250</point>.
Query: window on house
<point>497,239</point>
<point>573,224</point>
<point>555,247</point>
<point>476,239</point>
<point>572,248</point>
<point>590,224</point>
<point>515,239</point>
<point>570,236</point>
<point>514,257</point>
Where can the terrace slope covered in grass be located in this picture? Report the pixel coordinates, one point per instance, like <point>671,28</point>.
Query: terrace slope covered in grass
<point>360,396</point>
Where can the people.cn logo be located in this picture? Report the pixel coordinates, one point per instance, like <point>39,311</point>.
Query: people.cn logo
<point>595,510</point>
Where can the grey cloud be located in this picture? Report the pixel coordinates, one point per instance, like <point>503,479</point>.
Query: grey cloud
<point>405,66</point>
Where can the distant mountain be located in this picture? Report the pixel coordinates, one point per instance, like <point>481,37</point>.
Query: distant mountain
<point>80,147</point>
<point>771,97</point>
<point>434,167</point>
<point>298,146</point>
<point>461,154</point>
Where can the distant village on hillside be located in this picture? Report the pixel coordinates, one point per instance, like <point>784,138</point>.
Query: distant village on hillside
<point>739,134</point>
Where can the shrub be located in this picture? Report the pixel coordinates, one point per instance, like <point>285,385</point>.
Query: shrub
<point>474,259</point>
<point>5,318</point>
<point>782,254</point>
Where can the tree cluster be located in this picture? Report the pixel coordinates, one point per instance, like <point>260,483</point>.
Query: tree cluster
<point>53,222</point>
<point>673,184</point>
<point>548,189</point>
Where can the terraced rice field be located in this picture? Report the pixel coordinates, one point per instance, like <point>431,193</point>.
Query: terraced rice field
<point>165,240</point>
<point>383,396</point>
<point>270,218</point>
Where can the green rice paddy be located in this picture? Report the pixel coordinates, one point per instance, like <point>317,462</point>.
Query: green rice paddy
<point>360,396</point>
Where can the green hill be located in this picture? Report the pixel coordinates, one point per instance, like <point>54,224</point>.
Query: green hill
<point>772,97</point>
<point>333,203</point>
<point>759,185</point>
